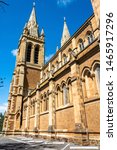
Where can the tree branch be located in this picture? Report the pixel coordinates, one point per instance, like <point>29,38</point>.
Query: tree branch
<point>4,3</point>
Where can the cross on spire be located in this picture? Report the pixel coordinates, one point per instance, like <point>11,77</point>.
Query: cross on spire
<point>33,4</point>
<point>64,19</point>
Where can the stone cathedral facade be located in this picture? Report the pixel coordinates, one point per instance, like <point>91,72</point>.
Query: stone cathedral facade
<point>59,99</point>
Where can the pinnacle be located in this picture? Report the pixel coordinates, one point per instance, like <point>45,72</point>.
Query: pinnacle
<point>66,34</point>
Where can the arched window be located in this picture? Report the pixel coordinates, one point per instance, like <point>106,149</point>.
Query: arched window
<point>89,85</point>
<point>36,55</point>
<point>70,92</point>
<point>97,74</point>
<point>46,104</point>
<point>58,99</point>
<point>41,103</point>
<point>90,37</point>
<point>65,94</point>
<point>64,59</point>
<point>47,100</point>
<point>29,52</point>
<point>81,44</point>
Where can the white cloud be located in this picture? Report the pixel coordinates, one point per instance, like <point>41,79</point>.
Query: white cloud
<point>3,108</point>
<point>47,58</point>
<point>64,2</point>
<point>14,52</point>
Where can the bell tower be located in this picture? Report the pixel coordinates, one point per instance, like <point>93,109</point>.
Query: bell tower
<point>31,44</point>
<point>31,52</point>
<point>29,62</point>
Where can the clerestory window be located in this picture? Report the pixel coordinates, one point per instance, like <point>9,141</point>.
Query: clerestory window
<point>81,44</point>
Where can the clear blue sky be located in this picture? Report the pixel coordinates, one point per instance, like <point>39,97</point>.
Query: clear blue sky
<point>50,14</point>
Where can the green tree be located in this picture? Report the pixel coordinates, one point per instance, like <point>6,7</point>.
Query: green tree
<point>1,121</point>
<point>2,2</point>
<point>2,82</point>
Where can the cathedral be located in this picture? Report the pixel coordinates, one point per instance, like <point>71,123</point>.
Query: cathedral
<point>59,99</point>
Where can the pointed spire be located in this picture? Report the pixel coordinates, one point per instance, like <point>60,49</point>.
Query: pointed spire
<point>32,23</point>
<point>42,32</point>
<point>66,34</point>
<point>32,18</point>
<point>57,48</point>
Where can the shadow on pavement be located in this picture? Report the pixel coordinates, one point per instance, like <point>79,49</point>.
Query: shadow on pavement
<point>23,146</point>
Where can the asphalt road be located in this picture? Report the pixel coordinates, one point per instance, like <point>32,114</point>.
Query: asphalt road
<point>23,143</point>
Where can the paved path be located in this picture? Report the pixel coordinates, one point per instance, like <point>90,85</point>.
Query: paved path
<point>23,143</point>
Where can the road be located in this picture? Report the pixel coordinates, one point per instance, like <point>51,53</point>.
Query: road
<point>23,143</point>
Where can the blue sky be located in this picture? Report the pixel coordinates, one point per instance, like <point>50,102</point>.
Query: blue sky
<point>50,14</point>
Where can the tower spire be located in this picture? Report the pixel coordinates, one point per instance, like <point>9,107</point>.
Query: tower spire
<point>66,34</point>
<point>32,25</point>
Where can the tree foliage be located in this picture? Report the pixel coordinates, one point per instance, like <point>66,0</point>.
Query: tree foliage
<point>1,121</point>
<point>2,2</point>
<point>2,82</point>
